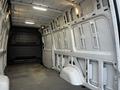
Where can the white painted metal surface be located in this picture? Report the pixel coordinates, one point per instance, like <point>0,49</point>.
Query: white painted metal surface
<point>23,10</point>
<point>91,41</point>
<point>4,29</point>
<point>4,83</point>
<point>88,40</point>
<point>73,75</point>
<point>47,51</point>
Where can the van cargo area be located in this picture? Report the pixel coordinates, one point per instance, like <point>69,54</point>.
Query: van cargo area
<point>36,77</point>
<point>59,45</point>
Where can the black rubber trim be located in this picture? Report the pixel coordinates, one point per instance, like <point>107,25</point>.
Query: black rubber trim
<point>117,16</point>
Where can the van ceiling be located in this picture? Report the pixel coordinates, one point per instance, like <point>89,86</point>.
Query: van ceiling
<point>22,10</point>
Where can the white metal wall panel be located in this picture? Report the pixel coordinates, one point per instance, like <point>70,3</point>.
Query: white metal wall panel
<point>94,73</point>
<point>88,43</point>
<point>48,42</point>
<point>111,76</point>
<point>47,58</point>
<point>56,40</point>
<point>47,51</point>
<point>87,6</point>
<point>61,40</point>
<point>101,28</point>
<point>104,31</point>
<point>67,39</point>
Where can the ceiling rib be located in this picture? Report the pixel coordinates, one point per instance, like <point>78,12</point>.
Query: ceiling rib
<point>40,15</point>
<point>18,21</point>
<point>22,24</point>
<point>27,4</point>
<point>24,18</point>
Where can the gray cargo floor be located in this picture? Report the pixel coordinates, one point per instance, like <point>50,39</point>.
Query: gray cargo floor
<point>36,77</point>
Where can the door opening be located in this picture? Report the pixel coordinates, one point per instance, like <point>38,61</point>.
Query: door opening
<point>24,45</point>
